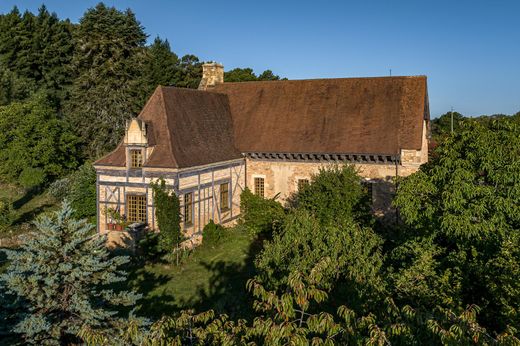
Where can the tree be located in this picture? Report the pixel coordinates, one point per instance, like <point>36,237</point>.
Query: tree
<point>37,49</point>
<point>167,212</point>
<point>108,63</point>
<point>14,88</point>
<point>260,215</point>
<point>82,194</point>
<point>302,241</point>
<point>336,192</point>
<point>190,72</point>
<point>461,245</point>
<point>35,144</point>
<point>162,67</point>
<point>441,126</point>
<point>247,75</point>
<point>62,276</point>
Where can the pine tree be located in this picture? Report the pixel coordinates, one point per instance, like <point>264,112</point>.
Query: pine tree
<point>108,62</point>
<point>64,275</point>
<point>162,67</point>
<point>55,47</point>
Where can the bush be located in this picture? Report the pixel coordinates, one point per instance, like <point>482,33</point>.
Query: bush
<point>147,247</point>
<point>212,234</point>
<point>336,192</point>
<point>60,188</point>
<point>260,215</point>
<point>167,212</point>
<point>6,213</point>
<point>32,177</point>
<point>82,194</point>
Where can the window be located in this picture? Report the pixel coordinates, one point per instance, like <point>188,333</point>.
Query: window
<point>136,158</point>
<point>302,183</point>
<point>188,208</point>
<point>259,187</point>
<point>224,196</point>
<point>136,208</point>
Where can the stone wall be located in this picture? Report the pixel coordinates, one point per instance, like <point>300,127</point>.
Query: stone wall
<point>282,178</point>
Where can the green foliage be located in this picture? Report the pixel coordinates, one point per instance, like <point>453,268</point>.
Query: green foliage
<point>258,214</point>
<point>107,63</point>
<point>441,126</point>
<point>167,212</point>
<point>13,87</point>
<point>190,72</point>
<point>31,177</point>
<point>37,51</point>
<point>461,245</point>
<point>335,193</point>
<point>60,188</point>
<point>162,67</point>
<point>6,213</point>
<point>35,144</point>
<point>247,75</point>
<point>302,241</point>
<point>63,275</point>
<point>82,195</point>
<point>213,233</point>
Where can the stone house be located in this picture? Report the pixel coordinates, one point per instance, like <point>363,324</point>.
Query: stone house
<point>270,136</point>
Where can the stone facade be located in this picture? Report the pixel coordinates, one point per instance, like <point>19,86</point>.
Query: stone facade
<point>281,177</point>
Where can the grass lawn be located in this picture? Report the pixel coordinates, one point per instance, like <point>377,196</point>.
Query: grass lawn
<point>26,206</point>
<point>211,278</point>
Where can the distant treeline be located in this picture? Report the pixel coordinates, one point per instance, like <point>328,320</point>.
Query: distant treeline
<point>441,127</point>
<point>86,79</point>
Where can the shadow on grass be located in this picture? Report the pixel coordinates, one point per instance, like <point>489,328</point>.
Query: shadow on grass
<point>31,215</point>
<point>227,292</point>
<point>227,286</point>
<point>29,194</point>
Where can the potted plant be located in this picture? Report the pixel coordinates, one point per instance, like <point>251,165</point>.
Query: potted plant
<point>118,221</point>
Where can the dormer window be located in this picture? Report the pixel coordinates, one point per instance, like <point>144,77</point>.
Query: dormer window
<point>136,158</point>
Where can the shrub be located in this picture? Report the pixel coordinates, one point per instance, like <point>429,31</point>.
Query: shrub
<point>335,192</point>
<point>260,215</point>
<point>6,213</point>
<point>32,177</point>
<point>60,188</point>
<point>213,233</point>
<point>167,212</point>
<point>82,194</point>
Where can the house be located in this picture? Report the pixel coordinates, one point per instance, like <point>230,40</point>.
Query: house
<point>270,136</point>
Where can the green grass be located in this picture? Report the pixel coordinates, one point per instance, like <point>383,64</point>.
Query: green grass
<point>211,278</point>
<point>26,206</point>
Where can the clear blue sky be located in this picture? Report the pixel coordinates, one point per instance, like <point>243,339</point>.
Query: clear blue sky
<point>470,50</point>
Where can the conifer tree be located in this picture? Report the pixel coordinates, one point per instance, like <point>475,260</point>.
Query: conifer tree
<point>108,63</point>
<point>63,276</point>
<point>162,67</point>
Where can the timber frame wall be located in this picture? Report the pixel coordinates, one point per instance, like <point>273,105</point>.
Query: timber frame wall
<point>114,184</point>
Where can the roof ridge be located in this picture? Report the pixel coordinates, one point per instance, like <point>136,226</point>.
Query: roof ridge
<point>322,79</point>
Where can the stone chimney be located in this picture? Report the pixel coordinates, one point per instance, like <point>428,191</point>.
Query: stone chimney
<point>212,74</point>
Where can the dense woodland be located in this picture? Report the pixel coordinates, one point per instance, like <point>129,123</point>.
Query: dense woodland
<point>320,271</point>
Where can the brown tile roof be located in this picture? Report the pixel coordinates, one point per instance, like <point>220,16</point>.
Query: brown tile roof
<point>377,115</point>
<point>188,127</point>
